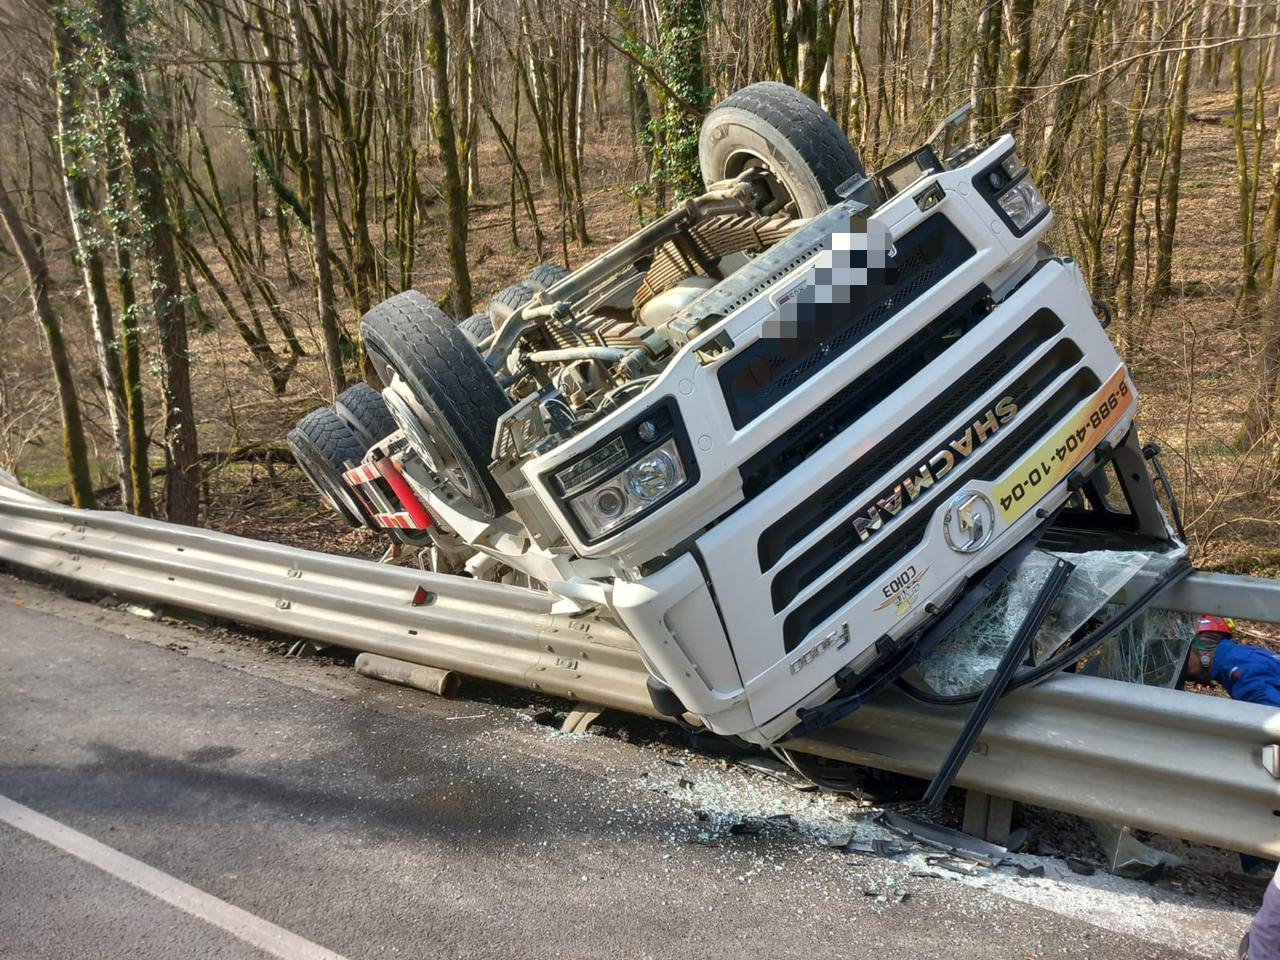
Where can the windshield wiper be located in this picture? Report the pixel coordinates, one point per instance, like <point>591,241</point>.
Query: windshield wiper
<point>1013,657</point>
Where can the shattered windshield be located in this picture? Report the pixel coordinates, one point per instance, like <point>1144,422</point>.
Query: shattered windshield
<point>1151,649</point>
<point>962,662</point>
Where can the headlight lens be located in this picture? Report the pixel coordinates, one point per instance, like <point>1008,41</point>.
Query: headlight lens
<point>613,500</point>
<point>1008,184</point>
<point>654,475</point>
<point>631,471</point>
<point>1022,202</point>
<point>609,503</point>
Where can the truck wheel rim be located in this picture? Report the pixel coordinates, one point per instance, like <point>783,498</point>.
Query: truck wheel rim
<point>742,159</point>
<point>338,496</point>
<point>438,456</point>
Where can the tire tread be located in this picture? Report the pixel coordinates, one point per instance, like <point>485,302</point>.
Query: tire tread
<point>363,410</point>
<point>545,275</point>
<point>448,369</point>
<point>808,127</point>
<point>323,434</point>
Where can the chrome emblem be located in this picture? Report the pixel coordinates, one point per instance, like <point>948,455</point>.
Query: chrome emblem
<point>969,522</point>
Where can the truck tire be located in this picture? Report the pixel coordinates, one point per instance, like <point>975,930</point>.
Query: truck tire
<point>508,300</point>
<point>456,399</point>
<point>364,411</point>
<point>776,126</point>
<point>324,447</point>
<point>545,275</point>
<point>477,327</point>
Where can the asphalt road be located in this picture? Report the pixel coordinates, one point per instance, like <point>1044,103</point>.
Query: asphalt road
<point>372,821</point>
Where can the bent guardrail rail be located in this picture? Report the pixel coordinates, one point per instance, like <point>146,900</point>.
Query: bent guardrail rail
<point>1164,760</point>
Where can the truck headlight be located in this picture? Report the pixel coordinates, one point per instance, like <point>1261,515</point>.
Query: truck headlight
<point>1009,187</point>
<point>626,475</point>
<point>655,474</point>
<point>631,491</point>
<point>1023,203</point>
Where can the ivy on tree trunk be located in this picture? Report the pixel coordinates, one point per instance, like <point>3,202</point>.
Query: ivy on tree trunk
<point>682,28</point>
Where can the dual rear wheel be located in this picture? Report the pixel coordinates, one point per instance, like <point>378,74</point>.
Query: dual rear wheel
<point>329,441</point>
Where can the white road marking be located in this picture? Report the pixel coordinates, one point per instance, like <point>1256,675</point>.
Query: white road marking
<point>263,934</point>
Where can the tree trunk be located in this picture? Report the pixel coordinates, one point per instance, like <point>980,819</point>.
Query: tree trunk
<point>1173,178</point>
<point>322,276</point>
<point>182,489</point>
<point>576,101</point>
<point>1271,220</point>
<point>857,78</point>
<point>1243,191</point>
<point>682,29</point>
<point>811,23</point>
<point>67,52</point>
<point>1207,55</point>
<point>827,26</point>
<point>1016,92</point>
<point>123,242</point>
<point>1136,154</point>
<point>73,445</point>
<point>1260,416</point>
<point>933,59</point>
<point>881,96</point>
<point>641,119</point>
<point>1094,220</point>
<point>1082,19</point>
<point>985,69</point>
<point>455,198</point>
<point>903,82</point>
<point>784,41</point>
<point>469,143</point>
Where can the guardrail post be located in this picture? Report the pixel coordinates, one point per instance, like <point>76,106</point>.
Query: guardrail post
<point>988,817</point>
<point>1126,855</point>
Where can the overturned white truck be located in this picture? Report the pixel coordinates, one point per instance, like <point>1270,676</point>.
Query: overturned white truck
<point>791,435</point>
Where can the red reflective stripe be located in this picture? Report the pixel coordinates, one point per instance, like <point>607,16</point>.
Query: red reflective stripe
<point>360,474</point>
<point>418,515</point>
<point>400,521</point>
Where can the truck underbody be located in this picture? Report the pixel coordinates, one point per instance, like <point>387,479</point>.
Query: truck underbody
<point>794,437</point>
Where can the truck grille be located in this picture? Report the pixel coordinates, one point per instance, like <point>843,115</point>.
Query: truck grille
<point>964,395</point>
<point>771,368</point>
<point>862,394</point>
<point>902,538</point>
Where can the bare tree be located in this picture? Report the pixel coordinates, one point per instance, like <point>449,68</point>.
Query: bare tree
<point>455,196</point>
<point>322,274</point>
<point>68,52</point>
<point>141,142</point>
<point>73,445</point>
<point>1171,173</point>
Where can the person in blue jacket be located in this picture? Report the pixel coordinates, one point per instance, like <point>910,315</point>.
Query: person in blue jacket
<point>1247,673</point>
<point>1253,675</point>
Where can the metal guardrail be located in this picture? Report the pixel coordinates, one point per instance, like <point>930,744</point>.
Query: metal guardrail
<point>1164,760</point>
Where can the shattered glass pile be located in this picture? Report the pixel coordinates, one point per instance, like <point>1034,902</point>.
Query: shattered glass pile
<point>963,662</point>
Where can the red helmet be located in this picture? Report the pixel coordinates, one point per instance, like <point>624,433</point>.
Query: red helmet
<point>1208,623</point>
